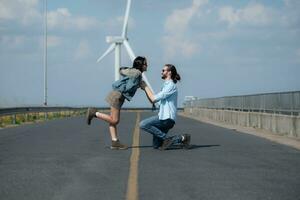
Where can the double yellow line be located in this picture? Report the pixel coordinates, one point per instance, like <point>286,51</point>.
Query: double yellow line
<point>132,185</point>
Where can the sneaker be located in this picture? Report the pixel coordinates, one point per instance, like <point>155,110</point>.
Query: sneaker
<point>91,113</point>
<point>186,141</point>
<point>117,145</point>
<point>156,142</point>
<point>166,144</point>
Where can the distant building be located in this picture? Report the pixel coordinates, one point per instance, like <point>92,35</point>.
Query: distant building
<point>189,98</point>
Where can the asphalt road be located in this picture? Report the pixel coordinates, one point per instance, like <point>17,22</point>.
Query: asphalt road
<point>66,159</point>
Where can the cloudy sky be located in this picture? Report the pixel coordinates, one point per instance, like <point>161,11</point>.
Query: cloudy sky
<point>220,48</point>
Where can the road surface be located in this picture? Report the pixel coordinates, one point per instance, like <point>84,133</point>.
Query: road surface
<point>67,159</point>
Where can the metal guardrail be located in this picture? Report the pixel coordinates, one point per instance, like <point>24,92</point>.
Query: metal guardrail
<point>281,102</point>
<point>11,111</point>
<point>12,116</point>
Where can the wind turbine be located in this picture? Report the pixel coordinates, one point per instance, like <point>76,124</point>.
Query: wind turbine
<point>116,42</point>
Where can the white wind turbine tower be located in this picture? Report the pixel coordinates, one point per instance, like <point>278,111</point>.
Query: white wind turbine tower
<point>116,42</point>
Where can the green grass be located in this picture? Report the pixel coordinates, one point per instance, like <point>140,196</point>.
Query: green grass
<point>17,119</point>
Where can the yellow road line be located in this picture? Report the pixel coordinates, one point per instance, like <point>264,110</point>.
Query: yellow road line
<point>132,185</point>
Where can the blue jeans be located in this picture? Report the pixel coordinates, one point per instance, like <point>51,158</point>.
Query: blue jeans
<point>159,129</point>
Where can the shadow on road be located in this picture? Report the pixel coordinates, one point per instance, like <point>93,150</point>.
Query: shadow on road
<point>177,147</point>
<point>192,146</point>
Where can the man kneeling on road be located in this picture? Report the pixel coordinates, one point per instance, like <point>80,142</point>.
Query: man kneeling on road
<point>159,125</point>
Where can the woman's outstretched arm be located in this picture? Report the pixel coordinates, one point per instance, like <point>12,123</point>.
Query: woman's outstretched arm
<point>148,92</point>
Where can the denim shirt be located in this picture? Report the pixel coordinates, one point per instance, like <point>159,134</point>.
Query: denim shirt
<point>128,83</point>
<point>167,99</point>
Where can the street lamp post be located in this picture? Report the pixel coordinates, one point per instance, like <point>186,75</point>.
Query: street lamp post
<point>45,53</point>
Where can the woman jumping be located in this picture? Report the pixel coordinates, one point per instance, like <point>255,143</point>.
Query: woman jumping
<point>123,88</point>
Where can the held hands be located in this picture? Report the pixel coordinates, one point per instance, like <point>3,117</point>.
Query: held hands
<point>143,85</point>
<point>148,92</point>
<point>153,107</point>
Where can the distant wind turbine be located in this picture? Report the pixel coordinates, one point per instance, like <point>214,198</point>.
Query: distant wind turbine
<point>116,42</point>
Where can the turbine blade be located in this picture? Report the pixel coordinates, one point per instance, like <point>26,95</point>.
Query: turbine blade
<point>147,82</point>
<point>129,50</point>
<point>110,49</point>
<point>125,25</point>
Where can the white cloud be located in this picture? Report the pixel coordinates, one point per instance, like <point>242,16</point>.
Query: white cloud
<point>292,3</point>
<point>83,50</point>
<point>12,41</point>
<point>175,45</point>
<point>227,14</point>
<point>116,24</point>
<point>25,11</point>
<point>290,15</point>
<point>131,21</point>
<point>188,48</point>
<point>178,21</point>
<point>176,26</point>
<point>255,14</point>
<point>6,10</point>
<point>53,41</point>
<point>62,18</point>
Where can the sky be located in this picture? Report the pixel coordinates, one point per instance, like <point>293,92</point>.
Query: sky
<point>220,48</point>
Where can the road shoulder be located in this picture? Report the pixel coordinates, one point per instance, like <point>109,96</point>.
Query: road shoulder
<point>292,142</point>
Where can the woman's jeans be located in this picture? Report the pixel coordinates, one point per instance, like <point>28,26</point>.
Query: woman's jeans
<point>159,129</point>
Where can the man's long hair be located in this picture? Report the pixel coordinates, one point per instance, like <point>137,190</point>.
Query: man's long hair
<point>174,75</point>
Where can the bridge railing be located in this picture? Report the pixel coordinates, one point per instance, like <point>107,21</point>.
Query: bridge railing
<point>281,102</point>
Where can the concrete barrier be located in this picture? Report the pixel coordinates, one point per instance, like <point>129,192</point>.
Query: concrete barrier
<point>288,125</point>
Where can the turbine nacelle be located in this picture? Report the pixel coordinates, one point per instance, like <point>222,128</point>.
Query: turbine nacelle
<point>115,39</point>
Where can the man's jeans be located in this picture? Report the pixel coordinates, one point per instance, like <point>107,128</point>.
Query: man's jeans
<point>159,129</point>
